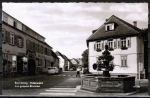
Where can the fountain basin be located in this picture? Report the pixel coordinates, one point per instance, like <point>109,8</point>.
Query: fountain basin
<point>112,84</point>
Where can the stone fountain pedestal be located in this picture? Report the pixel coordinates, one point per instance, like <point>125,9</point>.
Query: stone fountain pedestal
<point>112,84</point>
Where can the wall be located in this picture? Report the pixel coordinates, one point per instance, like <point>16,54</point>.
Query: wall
<point>132,57</point>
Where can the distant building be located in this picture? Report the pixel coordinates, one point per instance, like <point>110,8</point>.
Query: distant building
<point>127,43</point>
<point>74,61</point>
<point>67,63</point>
<point>55,62</point>
<point>80,61</point>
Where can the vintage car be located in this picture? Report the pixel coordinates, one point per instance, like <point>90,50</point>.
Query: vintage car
<point>52,70</point>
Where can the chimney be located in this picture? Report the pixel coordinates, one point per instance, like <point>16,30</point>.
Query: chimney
<point>94,31</point>
<point>135,23</point>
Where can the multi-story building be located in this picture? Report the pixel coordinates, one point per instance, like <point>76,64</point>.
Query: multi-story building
<point>127,43</point>
<point>61,60</point>
<point>24,50</point>
<point>55,62</point>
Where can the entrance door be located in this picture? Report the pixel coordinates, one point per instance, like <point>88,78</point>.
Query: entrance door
<point>31,67</point>
<point>19,64</point>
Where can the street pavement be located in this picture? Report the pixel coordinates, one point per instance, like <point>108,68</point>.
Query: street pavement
<point>68,89</point>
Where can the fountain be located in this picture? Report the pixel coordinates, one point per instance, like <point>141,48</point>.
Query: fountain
<point>106,83</point>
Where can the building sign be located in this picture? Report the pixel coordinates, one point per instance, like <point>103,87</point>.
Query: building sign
<point>41,55</point>
<point>21,54</point>
<point>111,84</point>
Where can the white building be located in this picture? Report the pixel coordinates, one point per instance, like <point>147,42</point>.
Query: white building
<point>126,43</point>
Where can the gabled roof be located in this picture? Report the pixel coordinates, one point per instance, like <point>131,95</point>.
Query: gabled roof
<point>59,54</point>
<point>66,58</point>
<point>62,55</point>
<point>122,29</point>
<point>54,55</point>
<point>75,60</point>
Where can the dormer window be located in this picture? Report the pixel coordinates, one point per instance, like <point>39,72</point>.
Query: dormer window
<point>109,27</point>
<point>15,24</point>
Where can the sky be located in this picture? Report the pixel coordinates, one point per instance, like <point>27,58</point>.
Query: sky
<point>66,26</point>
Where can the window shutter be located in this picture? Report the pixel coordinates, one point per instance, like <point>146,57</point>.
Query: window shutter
<point>15,37</point>
<point>119,43</point>
<point>102,44</point>
<point>4,35</point>
<point>114,41</point>
<point>128,42</point>
<point>94,46</point>
<point>8,37</point>
<point>22,42</point>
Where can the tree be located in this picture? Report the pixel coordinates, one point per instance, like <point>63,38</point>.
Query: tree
<point>85,58</point>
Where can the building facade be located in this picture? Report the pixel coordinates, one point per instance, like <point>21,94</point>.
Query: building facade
<point>24,50</point>
<point>126,43</point>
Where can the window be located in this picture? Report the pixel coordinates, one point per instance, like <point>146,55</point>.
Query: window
<point>27,44</point>
<point>97,46</point>
<point>11,38</point>
<point>40,62</point>
<point>27,31</point>
<point>35,36</point>
<point>123,43</point>
<point>33,46</point>
<point>5,19</point>
<point>15,24</point>
<point>20,41</point>
<point>123,61</point>
<point>37,48</point>
<point>3,35</point>
<point>110,44</point>
<point>42,49</point>
<point>109,27</point>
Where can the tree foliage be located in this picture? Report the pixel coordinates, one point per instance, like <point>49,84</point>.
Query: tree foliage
<point>85,58</point>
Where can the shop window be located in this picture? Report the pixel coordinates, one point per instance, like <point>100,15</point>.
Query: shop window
<point>123,61</point>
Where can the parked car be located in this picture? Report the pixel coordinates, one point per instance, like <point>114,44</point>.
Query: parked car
<point>52,70</point>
